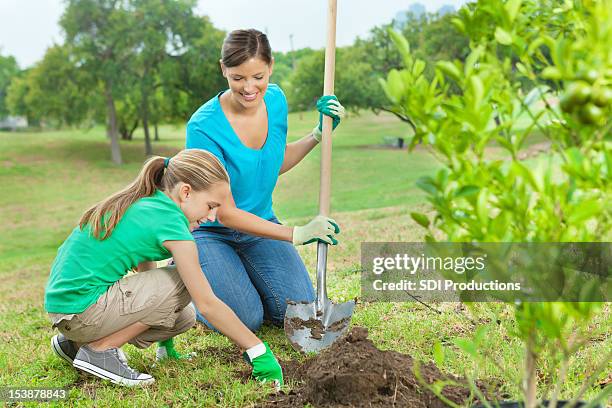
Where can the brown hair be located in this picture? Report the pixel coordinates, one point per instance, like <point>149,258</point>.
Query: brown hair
<point>241,45</point>
<point>198,168</point>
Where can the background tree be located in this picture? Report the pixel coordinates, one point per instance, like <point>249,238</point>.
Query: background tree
<point>160,31</point>
<point>100,33</point>
<point>16,98</point>
<point>8,70</point>
<point>191,75</point>
<point>58,90</point>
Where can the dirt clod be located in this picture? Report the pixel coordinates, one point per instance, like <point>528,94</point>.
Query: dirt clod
<point>354,373</point>
<point>316,326</point>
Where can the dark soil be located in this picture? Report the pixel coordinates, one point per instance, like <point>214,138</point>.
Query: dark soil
<point>354,373</point>
<point>316,327</point>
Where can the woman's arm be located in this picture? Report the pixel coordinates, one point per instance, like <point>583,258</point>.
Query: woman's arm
<point>296,151</point>
<point>185,254</point>
<point>232,217</point>
<point>320,228</point>
<point>244,221</point>
<point>327,105</point>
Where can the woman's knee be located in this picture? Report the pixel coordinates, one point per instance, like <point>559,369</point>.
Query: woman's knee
<point>253,321</point>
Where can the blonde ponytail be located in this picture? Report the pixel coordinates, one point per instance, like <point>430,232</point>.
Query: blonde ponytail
<point>196,167</point>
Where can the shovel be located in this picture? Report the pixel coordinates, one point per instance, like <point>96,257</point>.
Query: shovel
<point>311,327</point>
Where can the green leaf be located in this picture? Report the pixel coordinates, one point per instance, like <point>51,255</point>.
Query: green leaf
<point>401,43</point>
<point>502,36</point>
<point>561,54</point>
<point>395,86</point>
<point>512,8</point>
<point>438,353</point>
<point>482,209</point>
<point>472,59</point>
<point>418,68</point>
<point>551,73</point>
<point>467,191</point>
<point>477,89</point>
<point>590,291</point>
<point>468,346</point>
<point>458,24</point>
<point>420,219</point>
<point>522,172</point>
<point>584,211</point>
<point>427,184</point>
<point>450,70</point>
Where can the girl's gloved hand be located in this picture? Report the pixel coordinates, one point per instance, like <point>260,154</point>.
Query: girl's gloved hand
<point>166,350</point>
<point>321,228</point>
<point>265,366</point>
<point>328,105</point>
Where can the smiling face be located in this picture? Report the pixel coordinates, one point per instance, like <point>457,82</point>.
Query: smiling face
<point>200,206</point>
<point>248,82</point>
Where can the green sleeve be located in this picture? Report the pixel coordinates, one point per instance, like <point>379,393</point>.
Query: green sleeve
<point>173,228</point>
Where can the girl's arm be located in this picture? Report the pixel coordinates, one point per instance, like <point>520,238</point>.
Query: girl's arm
<point>296,151</point>
<point>185,256</point>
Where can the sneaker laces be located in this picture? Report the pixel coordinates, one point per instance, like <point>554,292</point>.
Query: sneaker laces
<point>123,358</point>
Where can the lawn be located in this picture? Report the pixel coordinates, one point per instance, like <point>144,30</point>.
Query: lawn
<point>48,179</point>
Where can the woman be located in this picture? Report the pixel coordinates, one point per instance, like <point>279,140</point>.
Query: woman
<point>247,255</point>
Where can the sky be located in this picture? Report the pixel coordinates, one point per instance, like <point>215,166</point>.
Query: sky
<point>28,27</point>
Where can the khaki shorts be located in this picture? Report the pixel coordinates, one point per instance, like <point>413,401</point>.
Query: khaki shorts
<point>157,298</point>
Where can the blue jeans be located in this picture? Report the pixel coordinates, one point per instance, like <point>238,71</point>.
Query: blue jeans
<point>254,276</point>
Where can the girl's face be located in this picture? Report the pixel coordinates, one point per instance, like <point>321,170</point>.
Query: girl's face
<point>248,81</point>
<point>201,206</point>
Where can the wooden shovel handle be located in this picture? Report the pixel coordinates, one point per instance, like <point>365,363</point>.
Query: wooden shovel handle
<point>328,89</point>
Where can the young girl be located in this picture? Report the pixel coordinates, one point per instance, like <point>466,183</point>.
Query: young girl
<point>97,309</point>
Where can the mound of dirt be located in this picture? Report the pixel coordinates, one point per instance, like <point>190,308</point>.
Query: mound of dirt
<point>354,373</point>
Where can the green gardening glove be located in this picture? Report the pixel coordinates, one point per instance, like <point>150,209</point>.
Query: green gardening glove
<point>321,228</point>
<point>328,105</point>
<point>265,366</point>
<point>166,350</point>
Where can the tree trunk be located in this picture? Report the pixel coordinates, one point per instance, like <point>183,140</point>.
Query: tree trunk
<point>531,379</point>
<point>111,124</point>
<point>156,132</point>
<point>131,131</point>
<point>144,108</point>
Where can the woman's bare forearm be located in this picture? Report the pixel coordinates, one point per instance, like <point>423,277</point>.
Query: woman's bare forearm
<point>296,151</point>
<point>246,222</point>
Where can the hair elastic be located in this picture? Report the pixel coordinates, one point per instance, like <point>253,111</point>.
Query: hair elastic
<point>166,162</point>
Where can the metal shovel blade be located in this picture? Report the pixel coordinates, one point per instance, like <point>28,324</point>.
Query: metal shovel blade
<point>311,327</point>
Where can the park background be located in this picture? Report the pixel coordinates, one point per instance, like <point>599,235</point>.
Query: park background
<point>120,87</point>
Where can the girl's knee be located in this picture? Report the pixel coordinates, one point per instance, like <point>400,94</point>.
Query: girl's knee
<point>186,319</point>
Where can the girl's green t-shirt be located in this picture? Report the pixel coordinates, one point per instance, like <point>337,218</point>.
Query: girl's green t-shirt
<point>85,266</point>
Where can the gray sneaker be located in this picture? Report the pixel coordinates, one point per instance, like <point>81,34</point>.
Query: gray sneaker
<point>110,365</point>
<point>64,348</point>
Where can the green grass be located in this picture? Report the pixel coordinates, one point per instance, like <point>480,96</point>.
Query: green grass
<point>49,178</point>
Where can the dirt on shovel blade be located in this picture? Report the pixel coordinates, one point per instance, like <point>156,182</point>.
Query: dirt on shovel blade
<point>352,372</point>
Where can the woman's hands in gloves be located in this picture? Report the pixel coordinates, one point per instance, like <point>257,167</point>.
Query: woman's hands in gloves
<point>328,105</point>
<point>321,228</point>
<point>265,366</point>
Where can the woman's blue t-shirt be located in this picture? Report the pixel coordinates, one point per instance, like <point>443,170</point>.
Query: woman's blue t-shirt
<point>253,173</point>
